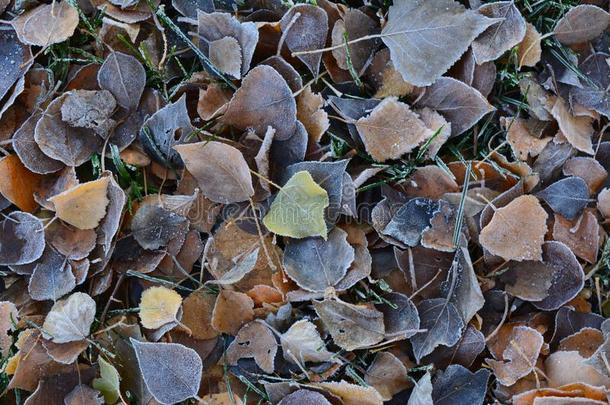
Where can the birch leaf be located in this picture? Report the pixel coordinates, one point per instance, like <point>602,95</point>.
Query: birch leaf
<point>581,24</point>
<point>159,306</point>
<point>255,341</point>
<point>124,77</point>
<point>426,37</point>
<point>22,239</point>
<point>303,342</point>
<point>298,208</point>
<point>70,319</point>
<point>316,264</point>
<point>461,105</point>
<point>83,206</point>
<point>46,24</point>
<point>171,371</point>
<point>220,170</point>
<point>391,130</point>
<point>516,231</point>
<point>501,36</point>
<point>567,197</point>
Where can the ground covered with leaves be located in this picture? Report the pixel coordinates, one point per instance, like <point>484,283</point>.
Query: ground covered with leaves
<point>267,202</point>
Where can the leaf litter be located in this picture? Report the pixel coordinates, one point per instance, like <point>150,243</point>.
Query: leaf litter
<point>323,202</point>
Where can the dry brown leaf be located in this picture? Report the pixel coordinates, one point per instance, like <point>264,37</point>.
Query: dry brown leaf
<point>519,357</point>
<point>521,141</point>
<point>302,343</point>
<point>388,375</point>
<point>603,202</point>
<point>391,130</point>
<point>516,231</point>
<point>213,101</point>
<point>578,130</point>
<point>18,184</point>
<point>352,394</point>
<point>569,367</point>
<point>197,311</point>
<point>83,206</point>
<point>220,170</point>
<point>580,235</point>
<point>530,51</point>
<point>311,114</point>
<point>589,169</point>
<point>255,340</point>
<point>46,24</point>
<point>231,311</point>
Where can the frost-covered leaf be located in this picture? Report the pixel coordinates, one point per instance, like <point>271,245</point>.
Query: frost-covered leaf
<point>83,395</point>
<point>391,130</point>
<point>316,264</point>
<point>264,99</point>
<point>220,170</point>
<point>581,24</point>
<point>567,197</point>
<point>154,227</point>
<point>441,324</point>
<point>426,37</point>
<point>256,341</point>
<point>158,307</point>
<point>501,36</point>
<point>298,209</point>
<point>457,385</point>
<point>461,105</point>
<point>28,150</point>
<point>46,24</point>
<point>516,231</point>
<point>22,239</point>
<point>163,130</point>
<point>305,27</point>
<point>408,223</point>
<point>519,356</point>
<point>422,392</point>
<point>124,77</point>
<point>351,326</point>
<point>171,371</point>
<point>388,375</point>
<point>12,55</point>
<point>70,319</point>
<point>51,276</point>
<point>400,315</point>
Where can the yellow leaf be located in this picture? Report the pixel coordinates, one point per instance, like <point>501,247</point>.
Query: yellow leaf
<point>159,306</point>
<point>83,206</point>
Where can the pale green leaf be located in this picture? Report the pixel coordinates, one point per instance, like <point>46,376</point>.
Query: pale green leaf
<point>298,209</point>
<point>109,382</point>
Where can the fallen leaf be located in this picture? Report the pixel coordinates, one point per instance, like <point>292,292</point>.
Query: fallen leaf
<point>70,319</point>
<point>391,130</point>
<point>351,393</point>
<point>427,37</point>
<point>298,209</point>
<point>171,371</point>
<point>400,315</point>
<point>124,77</point>
<point>578,130</point>
<point>581,24</point>
<point>521,140</point>
<point>354,25</point>
<point>580,235</point>
<point>22,239</point>
<point>51,276</point>
<point>264,99</point>
<point>83,395</point>
<point>304,28</point>
<point>18,184</point>
<point>301,397</point>
<point>519,356</point>
<point>589,169</point>
<point>351,326</point>
<point>220,170</point>
<point>90,109</point>
<point>441,324</point>
<point>567,197</point>
<point>158,307</point>
<point>411,219</point>
<point>461,105</point>
<point>530,49</point>
<point>311,114</point>
<point>231,311</point>
<point>254,340</point>
<point>516,231</point>
<point>388,375</point>
<point>501,36</point>
<point>29,152</point>
<point>109,382</point>
<point>46,24</point>
<point>302,343</point>
<point>422,392</point>
<point>457,385</point>
<point>154,227</point>
<point>83,206</point>
<point>9,316</point>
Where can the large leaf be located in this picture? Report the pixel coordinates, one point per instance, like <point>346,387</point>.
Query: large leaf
<point>298,208</point>
<point>171,371</point>
<point>83,206</point>
<point>316,264</point>
<point>426,37</point>
<point>220,170</point>
<point>581,24</point>
<point>46,24</point>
